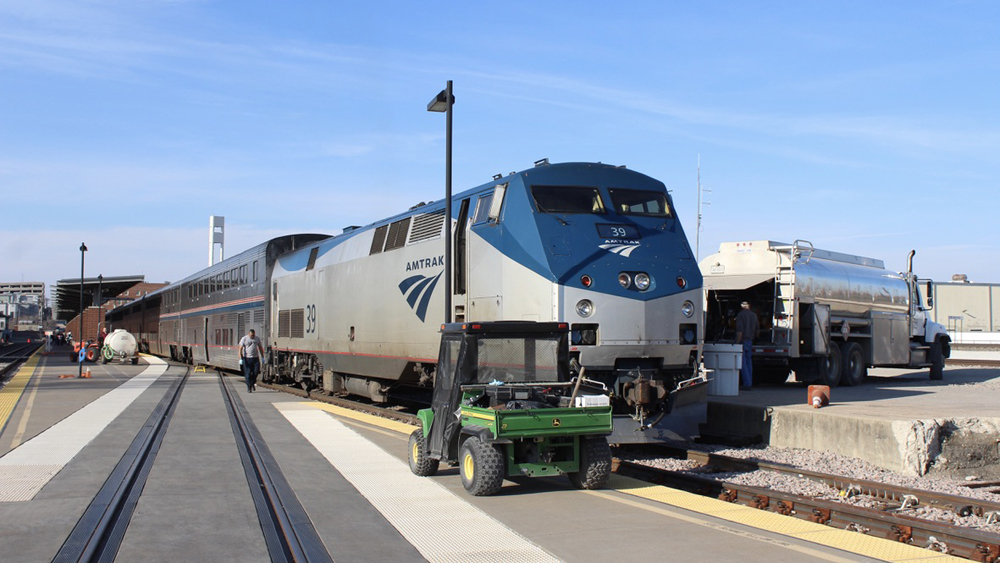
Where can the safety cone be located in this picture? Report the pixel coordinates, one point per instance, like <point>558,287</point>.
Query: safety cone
<point>86,374</point>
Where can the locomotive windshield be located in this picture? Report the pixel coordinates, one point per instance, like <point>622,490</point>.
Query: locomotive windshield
<point>518,360</point>
<point>639,202</point>
<point>567,199</point>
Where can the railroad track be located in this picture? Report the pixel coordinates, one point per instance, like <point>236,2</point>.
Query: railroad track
<point>973,363</point>
<point>288,531</point>
<point>959,541</point>
<point>98,534</point>
<point>894,496</point>
<point>13,355</point>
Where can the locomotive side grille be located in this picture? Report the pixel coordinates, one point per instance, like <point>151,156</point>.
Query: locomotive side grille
<point>283,323</point>
<point>397,234</point>
<point>379,241</point>
<point>297,323</point>
<point>427,226</point>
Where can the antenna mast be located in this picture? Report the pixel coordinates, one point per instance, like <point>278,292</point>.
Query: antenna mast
<point>697,236</point>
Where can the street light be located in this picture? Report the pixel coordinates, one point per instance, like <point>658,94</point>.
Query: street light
<point>83,250</point>
<point>100,303</point>
<point>443,102</point>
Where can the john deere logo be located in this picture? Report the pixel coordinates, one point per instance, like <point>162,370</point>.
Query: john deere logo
<point>418,290</point>
<point>556,422</point>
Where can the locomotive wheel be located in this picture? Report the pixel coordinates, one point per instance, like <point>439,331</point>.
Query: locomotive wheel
<point>830,367</point>
<point>420,464</point>
<point>595,463</point>
<point>855,370</point>
<point>937,360</point>
<point>482,467</point>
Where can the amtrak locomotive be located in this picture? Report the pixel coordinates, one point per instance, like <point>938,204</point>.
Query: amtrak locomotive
<point>599,247</point>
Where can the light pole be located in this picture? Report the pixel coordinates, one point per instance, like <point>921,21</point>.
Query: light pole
<point>83,250</point>
<point>100,303</point>
<point>443,102</point>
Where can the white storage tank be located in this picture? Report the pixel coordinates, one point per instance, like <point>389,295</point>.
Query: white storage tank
<point>120,345</point>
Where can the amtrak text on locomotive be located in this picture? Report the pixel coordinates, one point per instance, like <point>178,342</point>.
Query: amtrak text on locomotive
<point>425,263</point>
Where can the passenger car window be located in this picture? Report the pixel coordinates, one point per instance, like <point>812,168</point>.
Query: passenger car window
<point>567,199</point>
<point>639,202</point>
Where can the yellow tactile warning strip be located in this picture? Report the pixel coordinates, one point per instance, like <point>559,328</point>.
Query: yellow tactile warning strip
<point>401,427</point>
<point>851,542</point>
<point>11,393</point>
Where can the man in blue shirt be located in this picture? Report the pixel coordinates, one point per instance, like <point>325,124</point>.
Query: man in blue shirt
<point>746,330</point>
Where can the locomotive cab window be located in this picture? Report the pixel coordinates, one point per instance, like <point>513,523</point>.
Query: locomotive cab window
<point>567,199</point>
<point>639,202</point>
<point>483,209</point>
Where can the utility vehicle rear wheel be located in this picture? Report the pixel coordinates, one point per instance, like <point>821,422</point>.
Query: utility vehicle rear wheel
<point>855,371</point>
<point>482,467</point>
<point>595,463</point>
<point>420,464</point>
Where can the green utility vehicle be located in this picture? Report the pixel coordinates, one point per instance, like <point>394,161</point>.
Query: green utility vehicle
<point>504,405</point>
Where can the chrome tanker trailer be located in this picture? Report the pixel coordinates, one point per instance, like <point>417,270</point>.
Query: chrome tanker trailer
<point>826,315</point>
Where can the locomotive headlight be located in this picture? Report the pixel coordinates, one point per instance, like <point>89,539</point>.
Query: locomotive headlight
<point>584,308</point>
<point>687,309</point>
<point>642,281</point>
<point>625,280</point>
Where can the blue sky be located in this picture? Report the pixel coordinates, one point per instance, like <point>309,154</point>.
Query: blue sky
<point>866,127</point>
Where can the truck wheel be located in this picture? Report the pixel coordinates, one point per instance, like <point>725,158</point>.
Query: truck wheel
<point>829,367</point>
<point>420,464</point>
<point>855,370</point>
<point>937,360</point>
<point>595,464</point>
<point>482,467</point>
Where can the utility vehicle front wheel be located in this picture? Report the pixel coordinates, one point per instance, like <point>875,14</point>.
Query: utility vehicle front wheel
<point>420,464</point>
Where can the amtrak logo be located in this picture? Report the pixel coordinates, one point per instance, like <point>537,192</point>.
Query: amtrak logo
<point>619,248</point>
<point>418,291</point>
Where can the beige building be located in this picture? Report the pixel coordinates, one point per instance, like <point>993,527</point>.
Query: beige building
<point>967,307</point>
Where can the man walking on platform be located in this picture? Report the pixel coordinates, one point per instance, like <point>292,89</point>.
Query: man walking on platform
<point>251,351</point>
<point>746,330</point>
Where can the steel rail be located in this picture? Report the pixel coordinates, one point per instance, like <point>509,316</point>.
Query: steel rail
<point>99,532</point>
<point>288,531</point>
<point>959,541</point>
<point>884,491</point>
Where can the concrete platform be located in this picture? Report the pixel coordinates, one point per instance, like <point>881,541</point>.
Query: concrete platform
<point>349,473</point>
<point>899,420</point>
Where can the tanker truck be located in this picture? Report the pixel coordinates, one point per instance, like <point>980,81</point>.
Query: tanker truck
<point>826,315</point>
